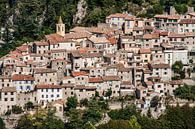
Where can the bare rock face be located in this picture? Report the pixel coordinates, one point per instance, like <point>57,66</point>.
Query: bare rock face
<point>81,12</point>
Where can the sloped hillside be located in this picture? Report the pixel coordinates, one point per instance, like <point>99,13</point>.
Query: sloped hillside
<point>28,20</point>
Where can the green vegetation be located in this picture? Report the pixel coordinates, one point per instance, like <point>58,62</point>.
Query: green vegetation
<point>41,120</point>
<point>2,124</point>
<point>185,92</point>
<point>29,105</point>
<point>17,109</point>
<point>178,70</point>
<point>71,103</point>
<point>126,118</point>
<point>174,118</point>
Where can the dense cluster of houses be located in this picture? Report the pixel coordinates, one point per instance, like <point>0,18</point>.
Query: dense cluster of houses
<point>128,55</point>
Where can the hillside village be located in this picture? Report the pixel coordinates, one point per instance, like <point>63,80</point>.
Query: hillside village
<point>126,54</point>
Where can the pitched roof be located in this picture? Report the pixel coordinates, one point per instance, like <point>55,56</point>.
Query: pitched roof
<point>95,80</point>
<point>23,48</point>
<point>56,38</point>
<point>48,86</point>
<point>46,70</point>
<point>187,21</point>
<point>20,77</point>
<point>77,35</point>
<point>60,20</point>
<point>111,78</point>
<point>112,40</point>
<point>190,34</point>
<point>78,87</point>
<point>145,51</point>
<point>80,73</point>
<point>192,13</point>
<point>160,66</point>
<point>99,40</point>
<point>8,89</point>
<point>151,36</point>
<point>176,82</point>
<point>118,15</point>
<point>176,35</point>
<point>41,43</point>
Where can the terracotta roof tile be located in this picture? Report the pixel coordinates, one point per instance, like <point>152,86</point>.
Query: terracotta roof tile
<point>48,86</point>
<point>82,87</point>
<point>112,40</point>
<point>23,48</point>
<point>151,36</point>
<point>77,35</point>
<point>111,78</point>
<point>56,38</point>
<point>95,80</point>
<point>176,35</point>
<point>187,21</point>
<point>118,15</point>
<point>160,66</point>
<point>42,70</point>
<point>20,77</point>
<point>145,51</point>
<point>80,73</point>
<point>8,89</point>
<point>41,43</point>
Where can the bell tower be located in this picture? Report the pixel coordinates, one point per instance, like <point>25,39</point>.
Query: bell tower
<point>60,27</point>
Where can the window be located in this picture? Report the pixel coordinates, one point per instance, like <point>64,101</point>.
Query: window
<point>58,96</point>
<point>42,96</point>
<point>12,99</point>
<point>5,99</point>
<point>12,93</point>
<point>5,93</point>
<point>58,90</point>
<point>46,96</point>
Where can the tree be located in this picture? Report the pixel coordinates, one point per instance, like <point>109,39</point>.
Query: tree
<point>185,92</point>
<point>29,105</point>
<point>88,125</point>
<point>181,8</point>
<point>124,114</point>
<point>115,124</point>
<point>71,102</point>
<point>189,72</point>
<point>108,93</point>
<point>75,120</point>
<point>191,61</point>
<point>17,109</point>
<point>42,119</point>
<point>2,124</point>
<point>149,114</point>
<point>133,123</point>
<point>84,102</point>
<point>177,67</point>
<point>155,101</point>
<point>92,115</point>
<point>25,122</point>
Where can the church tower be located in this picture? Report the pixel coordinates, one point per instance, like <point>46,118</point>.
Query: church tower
<point>60,27</point>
